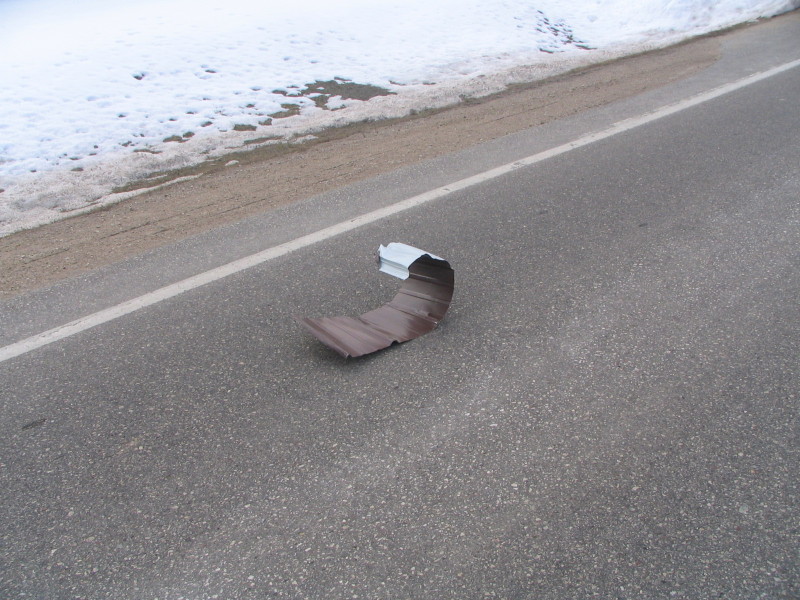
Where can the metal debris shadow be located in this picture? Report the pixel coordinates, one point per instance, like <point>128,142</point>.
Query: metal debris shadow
<point>419,305</point>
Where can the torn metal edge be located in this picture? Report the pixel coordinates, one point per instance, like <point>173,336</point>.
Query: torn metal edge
<point>417,308</point>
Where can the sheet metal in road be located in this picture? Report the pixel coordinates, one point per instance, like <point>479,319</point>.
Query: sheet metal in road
<point>609,409</point>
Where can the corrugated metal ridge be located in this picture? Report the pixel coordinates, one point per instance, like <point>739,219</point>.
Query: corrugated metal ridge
<point>416,309</point>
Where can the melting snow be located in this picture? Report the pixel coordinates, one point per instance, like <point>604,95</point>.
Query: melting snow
<point>98,94</point>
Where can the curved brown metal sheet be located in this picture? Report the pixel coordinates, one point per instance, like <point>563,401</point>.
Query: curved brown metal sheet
<point>416,309</point>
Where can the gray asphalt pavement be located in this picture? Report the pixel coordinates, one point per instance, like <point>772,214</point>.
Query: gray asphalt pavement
<point>609,409</point>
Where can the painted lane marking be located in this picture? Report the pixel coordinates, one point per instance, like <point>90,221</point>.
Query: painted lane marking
<point>104,316</point>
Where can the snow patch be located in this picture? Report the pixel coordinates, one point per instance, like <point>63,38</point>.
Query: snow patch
<point>99,95</point>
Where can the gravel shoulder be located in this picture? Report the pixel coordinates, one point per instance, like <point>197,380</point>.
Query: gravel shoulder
<point>267,178</point>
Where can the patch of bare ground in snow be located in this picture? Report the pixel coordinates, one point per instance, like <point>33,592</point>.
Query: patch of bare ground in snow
<point>269,177</point>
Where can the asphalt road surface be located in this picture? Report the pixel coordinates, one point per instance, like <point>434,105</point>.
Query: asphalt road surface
<point>609,409</point>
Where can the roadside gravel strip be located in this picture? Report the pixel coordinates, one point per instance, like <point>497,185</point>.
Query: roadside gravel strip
<point>214,194</point>
<point>180,287</point>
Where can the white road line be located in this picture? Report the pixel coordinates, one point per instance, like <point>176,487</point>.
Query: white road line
<point>170,291</point>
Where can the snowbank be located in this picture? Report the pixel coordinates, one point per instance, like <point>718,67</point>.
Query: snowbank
<point>100,94</point>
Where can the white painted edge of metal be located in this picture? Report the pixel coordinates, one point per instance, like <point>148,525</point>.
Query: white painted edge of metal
<point>396,257</point>
<point>104,316</point>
